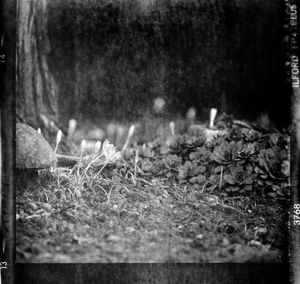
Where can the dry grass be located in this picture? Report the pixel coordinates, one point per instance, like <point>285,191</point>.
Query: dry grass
<point>117,216</point>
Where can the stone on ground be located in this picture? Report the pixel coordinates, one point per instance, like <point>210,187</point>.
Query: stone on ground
<point>32,149</point>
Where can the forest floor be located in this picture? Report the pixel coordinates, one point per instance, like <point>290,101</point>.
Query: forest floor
<point>148,207</point>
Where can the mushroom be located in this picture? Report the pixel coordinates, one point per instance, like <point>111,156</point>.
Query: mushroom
<point>33,152</point>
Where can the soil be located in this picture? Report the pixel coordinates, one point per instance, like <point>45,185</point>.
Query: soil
<point>150,221</point>
<point>118,212</point>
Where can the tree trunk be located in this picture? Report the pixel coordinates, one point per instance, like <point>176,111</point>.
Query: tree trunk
<point>36,100</point>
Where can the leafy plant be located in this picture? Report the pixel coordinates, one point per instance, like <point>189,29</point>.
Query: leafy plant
<point>271,161</point>
<point>184,144</point>
<point>201,154</point>
<point>240,178</point>
<point>192,172</point>
<point>226,153</point>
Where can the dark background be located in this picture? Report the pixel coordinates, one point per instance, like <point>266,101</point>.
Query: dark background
<point>110,59</point>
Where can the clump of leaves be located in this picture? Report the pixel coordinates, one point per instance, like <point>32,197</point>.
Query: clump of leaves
<point>192,171</point>
<point>242,161</point>
<point>201,154</point>
<point>243,134</point>
<point>240,178</point>
<point>184,144</point>
<point>273,170</point>
<point>226,153</point>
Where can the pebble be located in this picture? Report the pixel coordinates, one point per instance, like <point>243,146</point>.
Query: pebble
<point>33,206</point>
<point>113,238</point>
<point>255,243</point>
<point>199,237</point>
<point>47,207</point>
<point>225,242</point>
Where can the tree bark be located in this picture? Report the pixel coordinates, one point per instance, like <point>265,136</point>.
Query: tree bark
<point>36,99</point>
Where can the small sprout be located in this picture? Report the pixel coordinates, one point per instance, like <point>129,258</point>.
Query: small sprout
<point>52,124</point>
<point>213,113</point>
<point>110,154</point>
<point>135,164</point>
<point>71,129</point>
<point>158,104</point>
<point>58,139</point>
<point>45,120</point>
<point>39,131</point>
<point>136,156</point>
<point>111,129</point>
<point>136,159</point>
<point>120,132</point>
<point>130,133</point>
<point>191,114</point>
<point>82,148</point>
<point>96,156</point>
<point>172,128</point>
<point>97,147</point>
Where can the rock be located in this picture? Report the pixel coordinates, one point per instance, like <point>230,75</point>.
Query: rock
<point>32,150</point>
<point>211,134</point>
<point>198,130</point>
<point>242,124</point>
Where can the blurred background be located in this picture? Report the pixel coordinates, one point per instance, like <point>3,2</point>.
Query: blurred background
<point>110,60</point>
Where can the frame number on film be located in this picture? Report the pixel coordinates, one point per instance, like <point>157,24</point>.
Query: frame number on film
<point>296,214</point>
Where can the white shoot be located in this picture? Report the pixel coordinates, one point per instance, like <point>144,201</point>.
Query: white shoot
<point>120,132</point>
<point>71,129</point>
<point>130,133</point>
<point>158,104</point>
<point>39,131</point>
<point>82,146</point>
<point>111,129</point>
<point>97,147</point>
<point>58,139</point>
<point>172,128</point>
<point>191,114</point>
<point>213,113</point>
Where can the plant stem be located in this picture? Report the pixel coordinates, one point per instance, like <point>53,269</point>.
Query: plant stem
<point>221,177</point>
<point>88,166</point>
<point>79,164</point>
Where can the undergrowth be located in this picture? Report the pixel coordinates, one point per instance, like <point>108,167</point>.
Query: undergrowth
<point>174,199</point>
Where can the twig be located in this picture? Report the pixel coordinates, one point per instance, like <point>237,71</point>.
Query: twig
<point>203,187</point>
<point>70,161</point>
<point>135,164</point>
<point>213,188</point>
<point>93,161</point>
<point>147,182</point>
<point>221,177</point>
<point>46,196</point>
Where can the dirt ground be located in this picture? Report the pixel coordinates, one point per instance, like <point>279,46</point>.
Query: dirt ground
<point>154,223</point>
<point>122,214</point>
